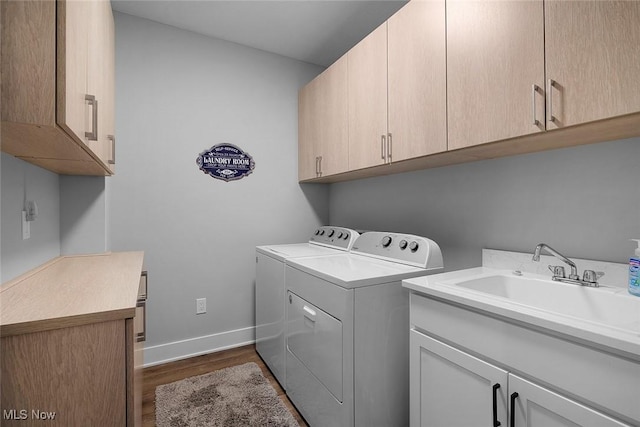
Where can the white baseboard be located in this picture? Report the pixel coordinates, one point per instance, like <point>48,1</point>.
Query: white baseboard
<point>169,352</point>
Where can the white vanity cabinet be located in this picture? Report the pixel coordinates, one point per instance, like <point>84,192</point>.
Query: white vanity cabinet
<point>449,387</point>
<point>452,388</point>
<point>469,368</point>
<point>535,406</point>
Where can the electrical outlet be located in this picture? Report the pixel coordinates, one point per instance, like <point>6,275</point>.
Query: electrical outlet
<point>26,226</point>
<point>201,305</point>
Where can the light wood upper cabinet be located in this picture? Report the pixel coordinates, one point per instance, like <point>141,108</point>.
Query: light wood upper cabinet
<point>86,44</point>
<point>54,54</point>
<point>435,86</point>
<point>100,81</point>
<point>397,88</point>
<point>332,117</point>
<point>417,80</point>
<point>593,56</point>
<point>495,54</point>
<point>367,69</point>
<point>307,139</point>
<point>72,66</point>
<point>322,124</point>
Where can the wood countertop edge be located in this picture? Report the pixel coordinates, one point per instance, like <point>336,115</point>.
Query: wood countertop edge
<point>65,322</point>
<point>122,312</point>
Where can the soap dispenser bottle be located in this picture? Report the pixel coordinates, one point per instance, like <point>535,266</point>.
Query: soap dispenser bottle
<point>634,271</point>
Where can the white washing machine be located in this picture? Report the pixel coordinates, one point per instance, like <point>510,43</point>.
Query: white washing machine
<point>347,331</point>
<point>270,289</point>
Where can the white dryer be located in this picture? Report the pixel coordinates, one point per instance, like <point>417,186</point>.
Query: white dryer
<point>347,331</point>
<point>270,289</point>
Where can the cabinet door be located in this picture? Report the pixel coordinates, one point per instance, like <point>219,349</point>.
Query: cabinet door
<point>109,74</point>
<point>72,112</point>
<point>307,132</point>
<point>100,74</point>
<point>536,406</point>
<point>417,80</point>
<point>332,119</point>
<point>495,54</point>
<point>593,55</point>
<point>450,388</point>
<point>367,63</point>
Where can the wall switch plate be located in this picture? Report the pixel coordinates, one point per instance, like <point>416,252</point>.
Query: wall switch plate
<point>26,226</point>
<point>201,305</point>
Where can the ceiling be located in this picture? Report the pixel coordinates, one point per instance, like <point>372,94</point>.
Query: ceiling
<point>314,31</point>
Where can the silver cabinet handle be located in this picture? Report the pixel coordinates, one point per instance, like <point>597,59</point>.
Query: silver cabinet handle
<point>534,89</point>
<point>552,84</point>
<point>93,135</point>
<point>320,165</point>
<point>317,167</point>
<point>142,336</point>
<point>112,160</point>
<point>389,144</point>
<point>383,148</point>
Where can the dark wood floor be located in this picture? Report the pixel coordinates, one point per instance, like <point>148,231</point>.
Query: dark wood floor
<point>174,371</point>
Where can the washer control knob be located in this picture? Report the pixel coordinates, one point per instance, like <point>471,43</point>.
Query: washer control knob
<point>322,232</point>
<point>346,236</point>
<point>332,232</point>
<point>414,246</point>
<point>386,241</point>
<point>317,232</point>
<point>403,244</point>
<point>340,235</point>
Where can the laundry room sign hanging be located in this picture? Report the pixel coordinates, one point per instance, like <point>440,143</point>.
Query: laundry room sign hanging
<point>226,162</point>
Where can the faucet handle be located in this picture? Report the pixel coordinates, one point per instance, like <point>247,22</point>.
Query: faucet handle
<point>592,276</point>
<point>557,270</point>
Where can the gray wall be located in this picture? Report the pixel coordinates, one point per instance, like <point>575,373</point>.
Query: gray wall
<point>583,201</point>
<point>83,210</point>
<point>178,94</point>
<point>22,180</point>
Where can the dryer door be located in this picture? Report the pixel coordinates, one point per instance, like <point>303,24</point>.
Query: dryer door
<point>315,338</point>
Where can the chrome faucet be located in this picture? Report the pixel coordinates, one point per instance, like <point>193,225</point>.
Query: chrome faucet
<point>589,279</point>
<point>541,246</point>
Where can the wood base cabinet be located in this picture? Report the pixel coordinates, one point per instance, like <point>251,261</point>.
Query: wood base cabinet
<point>75,376</point>
<point>71,343</point>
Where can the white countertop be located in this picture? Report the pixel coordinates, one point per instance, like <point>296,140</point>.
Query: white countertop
<point>625,340</point>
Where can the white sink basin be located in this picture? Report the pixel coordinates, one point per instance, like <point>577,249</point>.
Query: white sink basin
<point>600,305</point>
<point>606,315</point>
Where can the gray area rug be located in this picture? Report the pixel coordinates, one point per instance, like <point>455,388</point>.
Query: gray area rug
<point>236,396</point>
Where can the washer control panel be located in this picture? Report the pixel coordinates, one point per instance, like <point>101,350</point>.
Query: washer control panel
<point>334,237</point>
<point>403,248</point>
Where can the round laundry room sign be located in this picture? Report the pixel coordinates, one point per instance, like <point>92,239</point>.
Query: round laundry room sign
<point>226,162</point>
